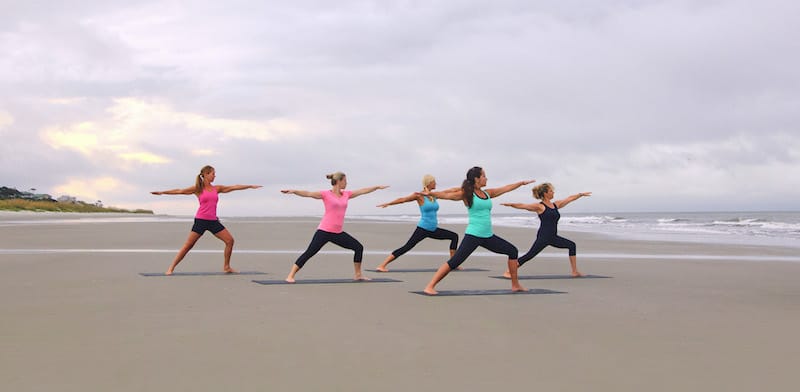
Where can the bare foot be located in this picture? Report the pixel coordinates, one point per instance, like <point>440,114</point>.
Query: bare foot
<point>361,277</point>
<point>507,275</point>
<point>577,274</point>
<point>230,270</point>
<point>381,269</point>
<point>289,280</point>
<point>430,291</point>
<point>517,289</point>
<point>168,273</point>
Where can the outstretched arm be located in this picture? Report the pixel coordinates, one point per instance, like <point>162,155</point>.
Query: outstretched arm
<point>562,203</point>
<point>533,207</point>
<point>177,191</point>
<point>400,200</point>
<point>231,188</point>
<point>313,195</point>
<point>494,192</point>
<point>364,191</point>
<point>447,194</point>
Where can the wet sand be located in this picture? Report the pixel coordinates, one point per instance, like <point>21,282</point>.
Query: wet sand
<point>77,314</point>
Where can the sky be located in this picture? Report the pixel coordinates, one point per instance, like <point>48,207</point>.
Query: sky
<point>652,105</point>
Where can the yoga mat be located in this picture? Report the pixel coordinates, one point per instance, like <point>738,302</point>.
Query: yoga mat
<point>149,274</point>
<point>426,270</point>
<point>326,281</point>
<point>529,277</point>
<point>456,293</point>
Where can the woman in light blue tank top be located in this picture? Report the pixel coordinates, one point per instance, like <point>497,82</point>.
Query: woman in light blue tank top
<point>479,229</point>
<point>428,226</point>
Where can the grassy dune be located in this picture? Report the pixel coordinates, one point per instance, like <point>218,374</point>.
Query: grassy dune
<point>35,205</point>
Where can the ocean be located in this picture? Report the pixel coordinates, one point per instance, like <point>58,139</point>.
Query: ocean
<point>771,228</point>
<point>776,228</point>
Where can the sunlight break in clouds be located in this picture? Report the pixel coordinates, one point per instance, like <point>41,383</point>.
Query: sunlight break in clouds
<point>90,190</point>
<point>136,114</point>
<point>5,119</point>
<point>135,123</point>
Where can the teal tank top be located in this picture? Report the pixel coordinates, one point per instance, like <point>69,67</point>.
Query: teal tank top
<point>480,217</point>
<point>428,210</point>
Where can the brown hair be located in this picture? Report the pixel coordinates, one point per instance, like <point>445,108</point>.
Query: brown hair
<point>468,186</point>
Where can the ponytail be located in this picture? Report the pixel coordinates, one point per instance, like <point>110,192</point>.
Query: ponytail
<point>199,182</point>
<point>468,186</point>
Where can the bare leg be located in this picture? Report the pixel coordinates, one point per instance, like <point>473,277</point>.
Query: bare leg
<point>573,262</point>
<point>359,276</point>
<point>227,238</point>
<point>290,278</point>
<point>382,267</point>
<point>513,265</point>
<point>193,237</point>
<point>430,289</point>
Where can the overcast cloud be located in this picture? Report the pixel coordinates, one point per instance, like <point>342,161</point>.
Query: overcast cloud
<point>652,105</point>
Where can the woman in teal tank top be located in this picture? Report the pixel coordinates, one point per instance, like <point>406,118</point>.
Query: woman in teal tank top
<point>479,229</point>
<point>428,226</point>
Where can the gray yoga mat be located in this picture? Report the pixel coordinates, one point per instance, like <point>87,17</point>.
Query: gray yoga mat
<point>427,270</point>
<point>326,281</point>
<point>150,274</point>
<point>455,293</point>
<point>530,277</point>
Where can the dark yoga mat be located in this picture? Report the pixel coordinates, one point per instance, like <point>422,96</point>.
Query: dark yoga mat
<point>530,277</point>
<point>426,270</point>
<point>201,273</point>
<point>455,293</point>
<point>326,281</point>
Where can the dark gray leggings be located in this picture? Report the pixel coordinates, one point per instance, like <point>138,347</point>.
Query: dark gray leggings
<point>421,234</point>
<point>470,243</point>
<point>323,237</point>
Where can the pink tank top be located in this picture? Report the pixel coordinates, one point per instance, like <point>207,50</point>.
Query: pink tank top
<point>208,205</point>
<point>335,207</point>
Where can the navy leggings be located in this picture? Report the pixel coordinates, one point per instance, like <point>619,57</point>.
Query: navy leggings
<point>543,242</point>
<point>322,237</point>
<point>470,243</point>
<point>421,234</point>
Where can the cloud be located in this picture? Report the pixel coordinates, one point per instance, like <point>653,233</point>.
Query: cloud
<point>5,119</point>
<point>132,124</point>
<point>90,190</point>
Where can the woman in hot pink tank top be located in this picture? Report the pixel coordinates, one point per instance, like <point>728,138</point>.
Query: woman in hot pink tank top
<point>206,216</point>
<point>330,228</point>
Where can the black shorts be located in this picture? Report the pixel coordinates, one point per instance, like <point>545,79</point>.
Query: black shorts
<point>201,225</point>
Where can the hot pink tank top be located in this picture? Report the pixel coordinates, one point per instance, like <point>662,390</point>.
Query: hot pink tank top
<point>335,207</point>
<point>208,205</point>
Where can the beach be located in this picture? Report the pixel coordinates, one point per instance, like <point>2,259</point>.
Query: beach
<point>660,316</point>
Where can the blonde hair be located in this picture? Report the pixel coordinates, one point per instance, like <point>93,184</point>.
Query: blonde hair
<point>335,177</point>
<point>541,189</point>
<point>427,180</point>
<point>198,184</point>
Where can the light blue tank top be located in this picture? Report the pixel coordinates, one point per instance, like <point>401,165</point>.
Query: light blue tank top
<point>428,210</point>
<point>480,217</point>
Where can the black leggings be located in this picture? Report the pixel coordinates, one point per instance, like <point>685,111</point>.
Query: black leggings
<point>322,237</point>
<point>542,242</point>
<point>421,234</point>
<point>470,243</point>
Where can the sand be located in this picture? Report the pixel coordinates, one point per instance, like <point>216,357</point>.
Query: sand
<point>77,315</point>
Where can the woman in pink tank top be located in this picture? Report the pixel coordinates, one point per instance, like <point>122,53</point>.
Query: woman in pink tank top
<point>330,228</point>
<point>206,217</point>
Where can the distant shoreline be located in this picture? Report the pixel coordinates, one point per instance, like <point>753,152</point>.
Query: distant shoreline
<point>37,206</point>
